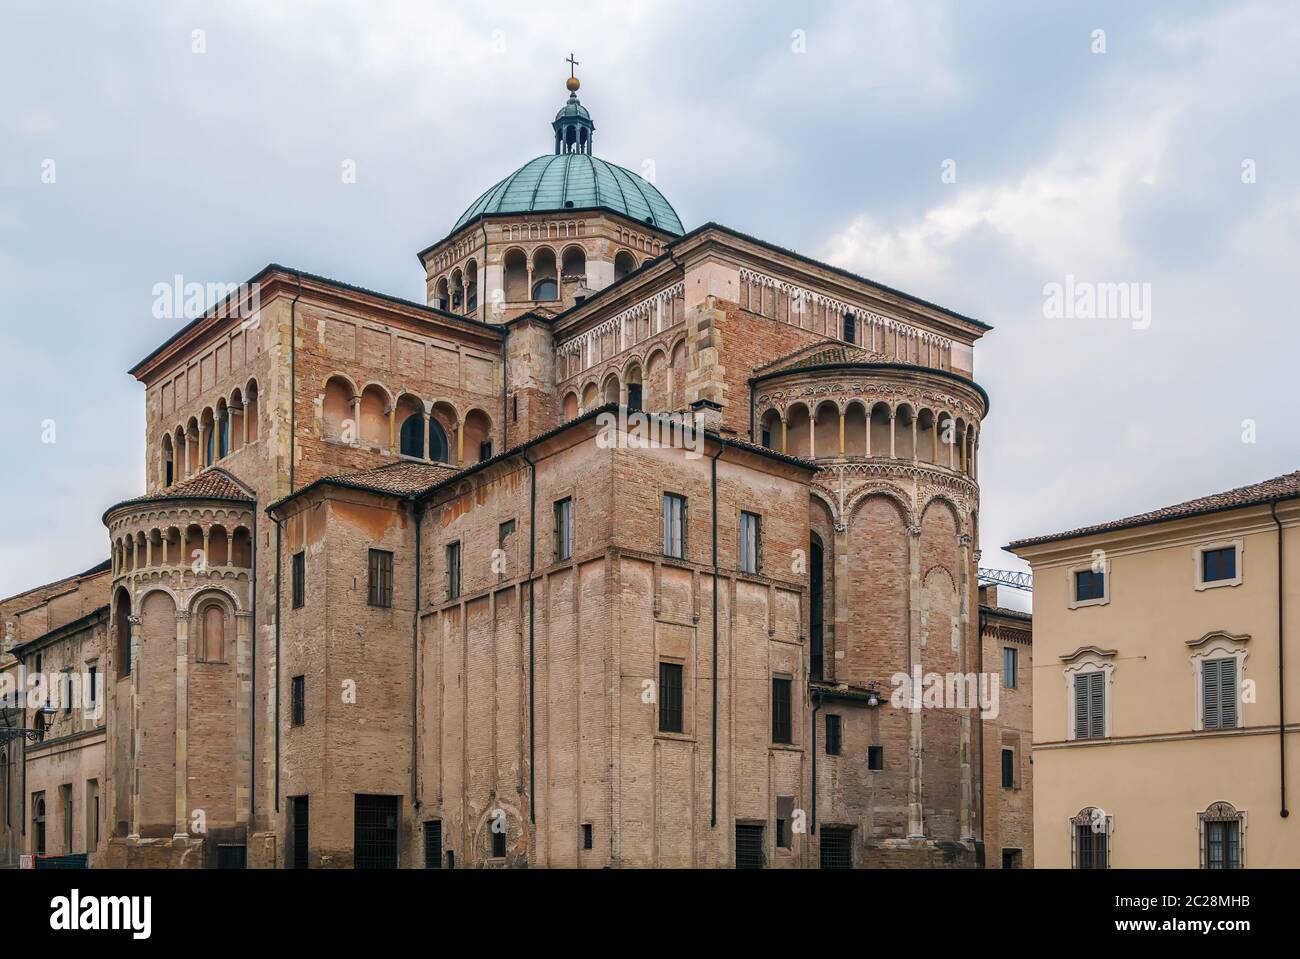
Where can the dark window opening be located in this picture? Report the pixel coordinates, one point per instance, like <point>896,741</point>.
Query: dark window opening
<point>782,731</point>
<point>876,757</point>
<point>381,578</point>
<point>782,835</point>
<point>411,437</point>
<point>298,811</point>
<point>1091,850</point>
<point>634,396</point>
<point>1217,564</point>
<point>587,838</point>
<point>38,823</point>
<point>850,328</point>
<point>674,525</point>
<point>836,848</point>
<point>298,700</point>
<point>1012,859</point>
<point>232,856</point>
<point>433,844</point>
<point>834,734</point>
<point>1223,845</point>
<point>1089,584</point>
<point>375,832</point>
<point>670,697</point>
<point>1008,769</point>
<point>749,846</point>
<point>1009,667</point>
<point>498,844</point>
<point>299,580</point>
<point>453,570</point>
<point>484,450</point>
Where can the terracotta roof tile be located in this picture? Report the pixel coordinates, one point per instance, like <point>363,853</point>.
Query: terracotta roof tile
<point>1280,487</point>
<point>822,354</point>
<point>212,483</point>
<point>400,479</point>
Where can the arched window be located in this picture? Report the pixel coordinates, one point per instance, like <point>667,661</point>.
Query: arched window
<point>38,824</point>
<point>441,295</point>
<point>412,438</point>
<point>1222,836</point>
<point>122,632</point>
<point>212,633</point>
<point>438,452</point>
<point>169,461</point>
<point>545,279</point>
<point>516,279</point>
<point>223,431</point>
<point>471,286</point>
<point>624,263</point>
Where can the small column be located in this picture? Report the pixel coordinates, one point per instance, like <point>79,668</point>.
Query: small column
<point>148,551</point>
<point>182,558</point>
<point>207,532</point>
<point>812,436</point>
<point>460,444</point>
<point>892,443</point>
<point>392,428</point>
<point>428,437</point>
<point>356,421</point>
<point>135,552</point>
<point>784,429</point>
<point>915,417</point>
<point>841,434</point>
<point>952,447</point>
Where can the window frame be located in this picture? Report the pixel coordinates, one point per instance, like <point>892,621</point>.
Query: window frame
<point>834,740</point>
<point>298,701</point>
<point>1072,584</point>
<point>1014,659</point>
<point>1237,545</point>
<point>681,505</point>
<point>782,714</point>
<point>668,668</point>
<point>1008,759</point>
<point>452,559</point>
<point>742,560</point>
<point>379,580</point>
<point>562,529</point>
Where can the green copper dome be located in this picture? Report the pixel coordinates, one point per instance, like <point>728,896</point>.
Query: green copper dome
<point>575,181</point>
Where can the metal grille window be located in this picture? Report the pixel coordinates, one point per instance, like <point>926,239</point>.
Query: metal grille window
<point>231,856</point>
<point>834,734</point>
<point>1090,705</point>
<point>836,848</point>
<point>1008,769</point>
<point>298,700</point>
<point>781,710</point>
<point>674,525</point>
<point>751,543</point>
<point>433,844</point>
<point>670,697</point>
<point>299,580</point>
<point>563,530</point>
<point>1219,564</point>
<point>381,578</point>
<point>1090,846</point>
<point>1009,667</point>
<point>375,832</point>
<point>300,813</point>
<point>453,570</point>
<point>876,757</point>
<point>1219,693</point>
<point>1089,584</point>
<point>749,846</point>
<point>1223,845</point>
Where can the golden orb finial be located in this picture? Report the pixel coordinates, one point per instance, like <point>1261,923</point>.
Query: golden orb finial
<point>573,82</point>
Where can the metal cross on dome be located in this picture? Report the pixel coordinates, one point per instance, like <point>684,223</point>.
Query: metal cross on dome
<point>572,64</point>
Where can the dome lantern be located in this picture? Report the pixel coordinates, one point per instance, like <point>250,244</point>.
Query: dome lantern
<point>573,125</point>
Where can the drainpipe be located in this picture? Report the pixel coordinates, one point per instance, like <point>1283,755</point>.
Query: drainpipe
<point>979,718</point>
<point>415,665</point>
<point>252,702</point>
<point>1281,667</point>
<point>278,525</point>
<point>293,421</point>
<point>713,771</point>
<point>532,660</point>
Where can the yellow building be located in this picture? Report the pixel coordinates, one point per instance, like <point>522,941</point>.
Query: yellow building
<point>1163,644</point>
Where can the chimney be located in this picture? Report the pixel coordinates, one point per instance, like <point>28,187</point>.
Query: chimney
<point>707,415</point>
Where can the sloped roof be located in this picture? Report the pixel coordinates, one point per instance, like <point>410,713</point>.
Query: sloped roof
<point>400,479</point>
<point>214,483</point>
<point>1286,486</point>
<point>822,353</point>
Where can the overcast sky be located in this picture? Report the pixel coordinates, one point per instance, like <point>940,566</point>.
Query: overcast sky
<point>970,153</point>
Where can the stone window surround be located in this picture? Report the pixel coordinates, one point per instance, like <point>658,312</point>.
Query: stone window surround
<point>1102,600</point>
<point>1089,659</point>
<point>1198,565</point>
<point>1082,818</point>
<point>1216,644</point>
<point>1219,812</point>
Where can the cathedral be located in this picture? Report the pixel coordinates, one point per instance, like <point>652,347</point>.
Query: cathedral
<point>408,585</point>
